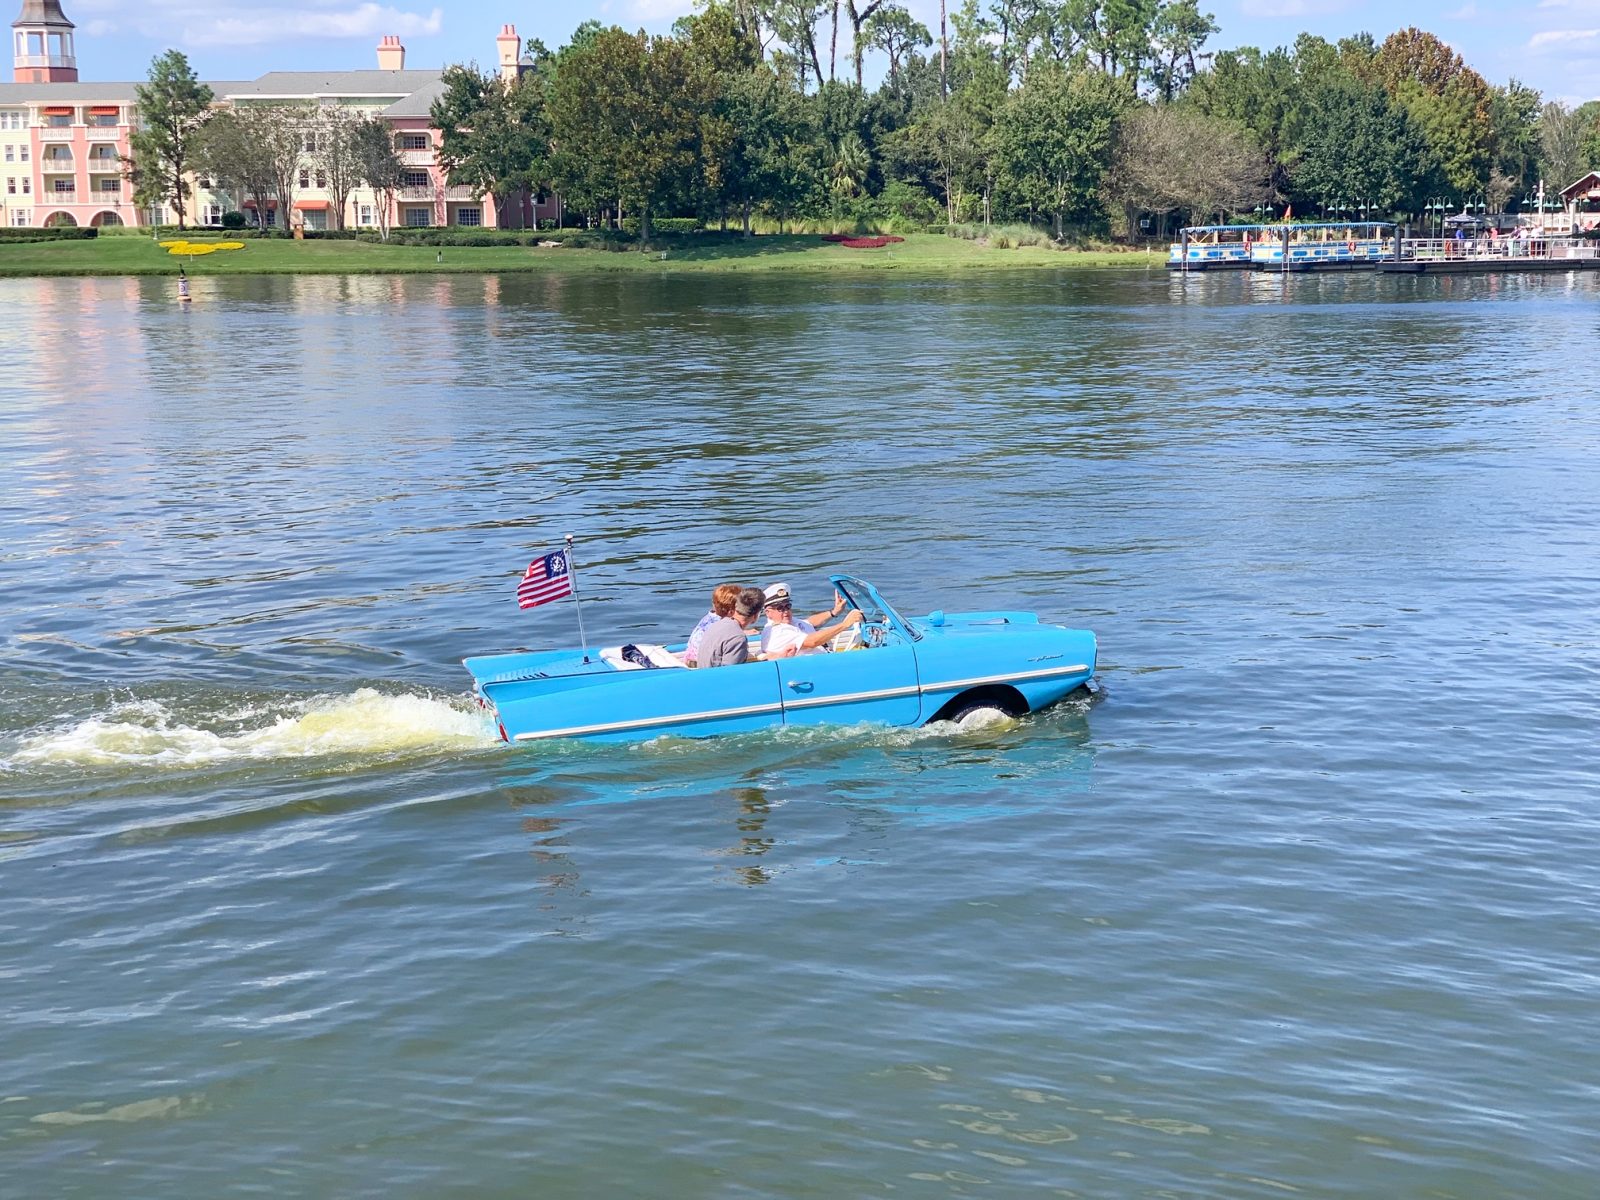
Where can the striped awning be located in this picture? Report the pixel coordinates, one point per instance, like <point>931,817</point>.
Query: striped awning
<point>310,205</point>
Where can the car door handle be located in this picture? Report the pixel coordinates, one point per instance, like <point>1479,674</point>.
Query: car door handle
<point>800,685</point>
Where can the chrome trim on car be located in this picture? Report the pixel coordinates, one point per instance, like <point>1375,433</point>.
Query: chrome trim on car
<point>815,702</point>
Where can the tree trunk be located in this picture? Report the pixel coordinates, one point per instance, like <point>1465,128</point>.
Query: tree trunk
<point>644,227</point>
<point>833,41</point>
<point>747,216</point>
<point>944,54</point>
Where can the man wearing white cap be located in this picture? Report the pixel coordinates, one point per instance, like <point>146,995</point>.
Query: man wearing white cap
<point>785,637</point>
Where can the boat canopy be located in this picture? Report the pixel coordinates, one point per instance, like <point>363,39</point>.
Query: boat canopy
<point>1294,225</point>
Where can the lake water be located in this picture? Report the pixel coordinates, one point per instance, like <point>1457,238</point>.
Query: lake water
<point>1302,900</point>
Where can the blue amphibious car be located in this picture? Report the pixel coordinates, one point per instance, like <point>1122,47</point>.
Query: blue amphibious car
<point>902,672</point>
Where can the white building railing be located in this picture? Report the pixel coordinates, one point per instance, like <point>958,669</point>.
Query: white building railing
<point>55,133</point>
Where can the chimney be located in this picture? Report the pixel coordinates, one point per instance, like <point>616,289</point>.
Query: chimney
<point>510,47</point>
<point>391,54</point>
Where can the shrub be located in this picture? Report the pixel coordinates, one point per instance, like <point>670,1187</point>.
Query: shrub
<point>663,225</point>
<point>53,233</point>
<point>233,220</point>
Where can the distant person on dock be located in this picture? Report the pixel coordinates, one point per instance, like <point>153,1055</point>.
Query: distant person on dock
<point>723,597</point>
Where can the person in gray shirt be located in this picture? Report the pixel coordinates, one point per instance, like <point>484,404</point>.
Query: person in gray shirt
<point>727,642</point>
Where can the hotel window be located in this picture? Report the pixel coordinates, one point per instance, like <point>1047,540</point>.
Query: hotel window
<point>110,185</point>
<point>27,185</point>
<point>103,119</point>
<point>416,218</point>
<point>66,186</point>
<point>24,153</point>
<point>272,218</point>
<point>417,179</point>
<point>11,186</point>
<point>311,143</point>
<point>305,178</point>
<point>58,120</point>
<point>366,215</point>
<point>11,154</point>
<point>21,216</point>
<point>213,214</point>
<point>322,179</point>
<point>469,216</point>
<point>415,141</point>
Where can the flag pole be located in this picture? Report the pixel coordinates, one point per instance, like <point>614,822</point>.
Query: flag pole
<point>572,572</point>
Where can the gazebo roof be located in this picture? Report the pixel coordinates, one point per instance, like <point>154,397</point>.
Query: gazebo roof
<point>43,12</point>
<point>1587,188</point>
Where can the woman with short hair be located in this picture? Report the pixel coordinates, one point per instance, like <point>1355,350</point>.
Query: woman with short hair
<point>723,597</point>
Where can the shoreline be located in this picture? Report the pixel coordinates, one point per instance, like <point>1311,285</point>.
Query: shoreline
<point>925,253</point>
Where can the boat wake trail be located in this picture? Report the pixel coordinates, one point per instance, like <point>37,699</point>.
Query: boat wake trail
<point>363,722</point>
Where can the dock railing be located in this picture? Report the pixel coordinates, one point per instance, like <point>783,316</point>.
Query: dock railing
<point>1498,249</point>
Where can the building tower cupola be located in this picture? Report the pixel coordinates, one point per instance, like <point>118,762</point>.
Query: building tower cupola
<point>41,44</point>
<point>509,48</point>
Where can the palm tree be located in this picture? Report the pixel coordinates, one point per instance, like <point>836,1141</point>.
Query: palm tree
<point>851,162</point>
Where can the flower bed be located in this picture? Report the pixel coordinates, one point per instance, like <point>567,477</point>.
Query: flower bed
<point>850,242</point>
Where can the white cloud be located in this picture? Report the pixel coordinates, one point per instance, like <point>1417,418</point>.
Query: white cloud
<point>1467,12</point>
<point>660,10</point>
<point>1289,8</point>
<point>259,25</point>
<point>1562,38</point>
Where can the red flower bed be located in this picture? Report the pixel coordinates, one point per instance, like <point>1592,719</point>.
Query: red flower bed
<point>866,243</point>
<point>835,237</point>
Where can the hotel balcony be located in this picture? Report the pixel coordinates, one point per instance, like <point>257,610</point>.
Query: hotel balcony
<point>55,133</point>
<point>104,133</point>
<point>416,193</point>
<point>417,158</point>
<point>45,60</point>
<point>58,166</point>
<point>105,166</point>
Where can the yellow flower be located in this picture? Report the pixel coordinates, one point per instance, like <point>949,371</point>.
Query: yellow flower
<point>229,246</point>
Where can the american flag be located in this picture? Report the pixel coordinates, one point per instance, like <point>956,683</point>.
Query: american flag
<point>548,578</point>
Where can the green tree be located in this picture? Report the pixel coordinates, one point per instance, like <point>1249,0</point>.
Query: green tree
<point>897,33</point>
<point>1171,159</point>
<point>850,166</point>
<point>381,168</point>
<point>229,151</point>
<point>1179,31</point>
<point>1561,145</point>
<point>173,107</point>
<point>1054,140</point>
<point>1361,147</point>
<point>1449,101</point>
<point>621,110</point>
<point>337,156</point>
<point>494,134</point>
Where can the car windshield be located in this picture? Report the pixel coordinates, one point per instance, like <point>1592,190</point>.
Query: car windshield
<point>874,609</point>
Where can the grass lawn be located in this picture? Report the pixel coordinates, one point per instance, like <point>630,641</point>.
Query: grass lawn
<point>923,252</point>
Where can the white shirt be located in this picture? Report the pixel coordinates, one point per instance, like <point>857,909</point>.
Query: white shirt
<point>776,639</point>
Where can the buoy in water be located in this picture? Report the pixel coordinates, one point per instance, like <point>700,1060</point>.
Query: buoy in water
<point>183,287</point>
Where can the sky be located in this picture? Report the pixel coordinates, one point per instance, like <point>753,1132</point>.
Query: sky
<point>1553,45</point>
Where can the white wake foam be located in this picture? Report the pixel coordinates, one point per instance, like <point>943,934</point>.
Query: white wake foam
<point>365,721</point>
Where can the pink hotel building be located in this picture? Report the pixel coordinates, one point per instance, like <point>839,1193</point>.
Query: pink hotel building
<point>62,141</point>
